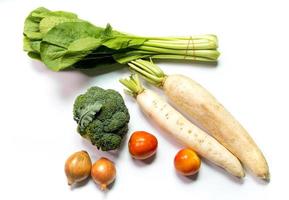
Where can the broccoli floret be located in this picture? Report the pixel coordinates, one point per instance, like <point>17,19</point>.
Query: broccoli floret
<point>102,117</point>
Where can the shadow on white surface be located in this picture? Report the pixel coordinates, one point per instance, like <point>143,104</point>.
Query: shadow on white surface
<point>67,81</point>
<point>102,69</point>
<point>144,163</point>
<point>80,184</point>
<point>222,171</point>
<point>187,179</point>
<point>256,179</point>
<point>70,81</point>
<point>187,63</point>
<point>96,154</point>
<point>104,193</point>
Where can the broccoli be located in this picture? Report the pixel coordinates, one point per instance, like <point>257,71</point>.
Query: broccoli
<point>102,117</point>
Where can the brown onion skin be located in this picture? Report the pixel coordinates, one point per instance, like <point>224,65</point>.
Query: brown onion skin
<point>77,167</point>
<point>103,172</point>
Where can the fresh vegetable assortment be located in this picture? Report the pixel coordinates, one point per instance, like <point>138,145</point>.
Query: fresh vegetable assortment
<point>61,40</point>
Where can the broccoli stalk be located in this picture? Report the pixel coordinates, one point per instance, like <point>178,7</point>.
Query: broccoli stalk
<point>102,117</point>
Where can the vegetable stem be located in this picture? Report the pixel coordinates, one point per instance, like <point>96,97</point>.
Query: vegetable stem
<point>181,57</point>
<point>211,54</point>
<point>149,71</point>
<point>192,43</point>
<point>133,85</point>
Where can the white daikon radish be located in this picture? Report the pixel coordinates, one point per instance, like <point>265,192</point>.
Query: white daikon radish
<point>166,117</point>
<point>196,101</point>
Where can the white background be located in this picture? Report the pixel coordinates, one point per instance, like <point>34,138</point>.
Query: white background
<point>251,80</point>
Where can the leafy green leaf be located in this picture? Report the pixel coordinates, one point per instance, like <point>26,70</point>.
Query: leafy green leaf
<point>34,55</point>
<point>62,14</point>
<point>31,24</point>
<point>68,42</point>
<point>40,21</point>
<point>116,40</point>
<point>35,45</point>
<point>87,115</point>
<point>31,46</point>
<point>122,42</point>
<point>102,56</point>
<point>65,33</point>
<point>128,56</point>
<point>107,31</point>
<point>84,44</point>
<point>61,40</point>
<point>50,21</point>
<point>26,44</point>
<point>52,55</point>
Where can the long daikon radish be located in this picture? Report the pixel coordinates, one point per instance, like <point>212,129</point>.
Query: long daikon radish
<point>196,101</point>
<point>166,117</point>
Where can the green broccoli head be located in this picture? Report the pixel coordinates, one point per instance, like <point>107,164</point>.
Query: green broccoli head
<point>102,117</point>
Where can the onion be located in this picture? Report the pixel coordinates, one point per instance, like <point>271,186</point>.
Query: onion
<point>103,172</point>
<point>77,167</point>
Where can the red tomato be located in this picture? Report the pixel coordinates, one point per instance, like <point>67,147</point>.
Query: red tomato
<point>187,162</point>
<point>142,145</point>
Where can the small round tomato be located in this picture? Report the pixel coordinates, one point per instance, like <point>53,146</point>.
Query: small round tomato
<point>142,145</point>
<point>187,162</point>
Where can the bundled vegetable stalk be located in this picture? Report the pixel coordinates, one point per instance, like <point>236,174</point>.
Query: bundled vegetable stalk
<point>61,40</point>
<point>200,104</point>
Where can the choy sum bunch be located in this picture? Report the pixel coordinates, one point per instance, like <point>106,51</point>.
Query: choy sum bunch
<point>61,40</point>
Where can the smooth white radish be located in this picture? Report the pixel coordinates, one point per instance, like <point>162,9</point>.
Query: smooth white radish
<point>166,117</point>
<point>196,101</point>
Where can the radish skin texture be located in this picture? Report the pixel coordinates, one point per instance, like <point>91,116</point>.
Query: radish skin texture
<point>193,99</point>
<point>187,133</point>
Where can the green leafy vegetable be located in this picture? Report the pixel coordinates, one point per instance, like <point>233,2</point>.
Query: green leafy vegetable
<point>102,117</point>
<point>61,40</point>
